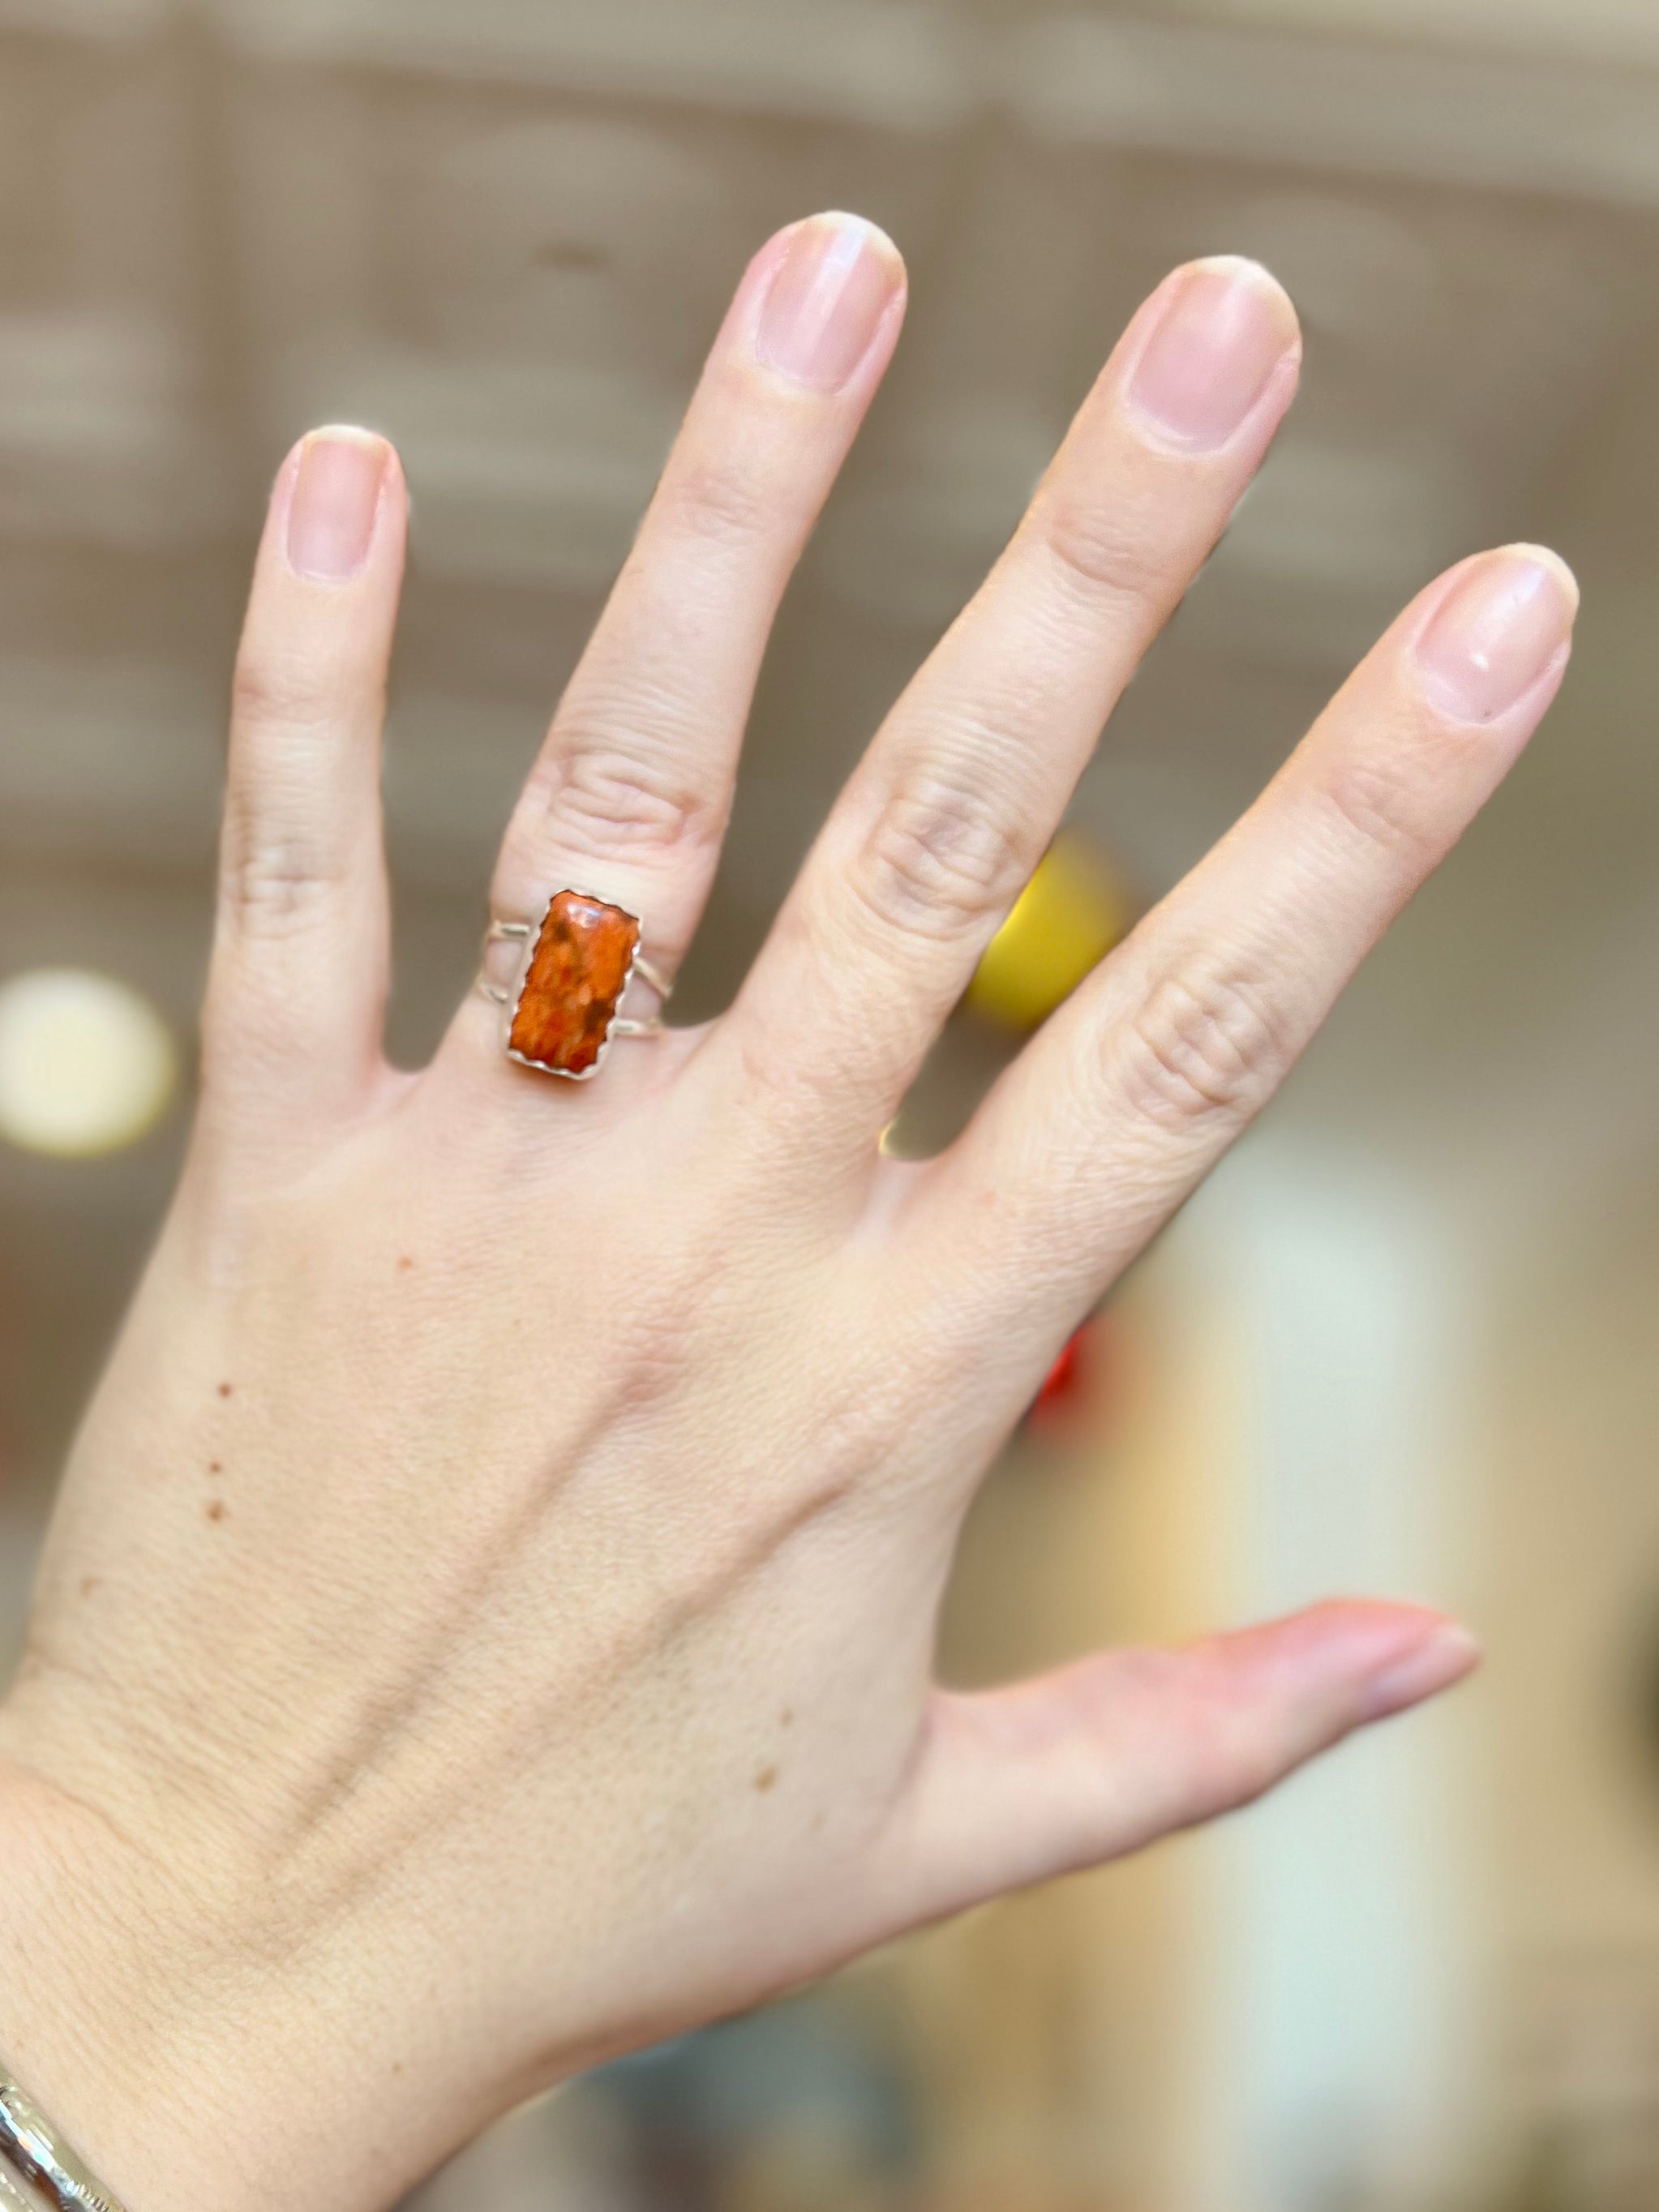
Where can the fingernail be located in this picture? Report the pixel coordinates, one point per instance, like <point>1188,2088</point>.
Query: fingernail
<point>337,498</point>
<point>1497,632</point>
<point>1225,328</point>
<point>1442,1657</point>
<point>827,301</point>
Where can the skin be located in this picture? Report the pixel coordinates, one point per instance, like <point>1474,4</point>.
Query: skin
<point>431,1691</point>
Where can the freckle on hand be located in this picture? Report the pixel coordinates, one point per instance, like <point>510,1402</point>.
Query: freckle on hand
<point>225,1390</point>
<point>216,1510</point>
<point>88,1583</point>
<point>767,1778</point>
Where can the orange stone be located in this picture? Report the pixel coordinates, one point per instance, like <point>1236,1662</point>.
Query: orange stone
<point>576,978</point>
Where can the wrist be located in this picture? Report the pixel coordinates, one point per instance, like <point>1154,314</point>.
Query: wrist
<point>171,2017</point>
<point>87,1982</point>
<point>121,2015</point>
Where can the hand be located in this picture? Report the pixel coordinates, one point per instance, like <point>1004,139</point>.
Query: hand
<point>488,1621</point>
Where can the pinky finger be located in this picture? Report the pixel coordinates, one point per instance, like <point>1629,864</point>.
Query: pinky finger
<point>1016,1786</point>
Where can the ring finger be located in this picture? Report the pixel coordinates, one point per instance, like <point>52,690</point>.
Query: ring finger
<point>630,794</point>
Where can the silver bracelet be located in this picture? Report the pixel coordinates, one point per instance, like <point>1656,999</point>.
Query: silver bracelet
<point>35,2149</point>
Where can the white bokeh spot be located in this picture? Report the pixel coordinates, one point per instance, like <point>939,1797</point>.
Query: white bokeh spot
<point>86,1065</point>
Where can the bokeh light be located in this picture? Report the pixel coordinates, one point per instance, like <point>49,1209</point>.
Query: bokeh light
<point>86,1065</point>
<point>1071,914</point>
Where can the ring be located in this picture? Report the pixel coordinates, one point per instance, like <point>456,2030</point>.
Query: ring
<point>563,1012</point>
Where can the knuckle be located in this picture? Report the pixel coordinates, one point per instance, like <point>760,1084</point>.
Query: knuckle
<point>1203,1048</point>
<point>1382,808</point>
<point>273,881</point>
<point>605,797</point>
<point>1234,1745</point>
<point>719,503</point>
<point>940,863</point>
<point>279,692</point>
<point>1108,552</point>
<point>1246,1760</point>
<point>1244,1747</point>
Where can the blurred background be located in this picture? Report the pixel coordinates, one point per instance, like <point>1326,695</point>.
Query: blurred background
<point>1403,1344</point>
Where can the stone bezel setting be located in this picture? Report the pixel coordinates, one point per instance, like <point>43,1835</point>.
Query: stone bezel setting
<point>514,999</point>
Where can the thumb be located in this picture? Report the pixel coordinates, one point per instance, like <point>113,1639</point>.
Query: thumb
<point>1018,1785</point>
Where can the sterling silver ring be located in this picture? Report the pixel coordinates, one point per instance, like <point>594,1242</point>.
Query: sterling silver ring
<point>562,1011</point>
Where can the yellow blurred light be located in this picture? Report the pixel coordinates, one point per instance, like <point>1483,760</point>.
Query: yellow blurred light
<point>87,1066</point>
<point>1071,914</point>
